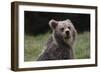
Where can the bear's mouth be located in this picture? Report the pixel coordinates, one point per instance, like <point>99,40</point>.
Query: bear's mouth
<point>67,37</point>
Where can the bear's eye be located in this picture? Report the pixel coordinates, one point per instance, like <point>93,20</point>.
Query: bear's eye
<point>69,27</point>
<point>62,29</point>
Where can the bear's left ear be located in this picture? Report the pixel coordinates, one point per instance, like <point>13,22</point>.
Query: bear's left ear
<point>53,24</point>
<point>68,20</point>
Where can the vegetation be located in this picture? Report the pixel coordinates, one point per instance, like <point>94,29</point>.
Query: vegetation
<point>34,45</point>
<point>82,46</point>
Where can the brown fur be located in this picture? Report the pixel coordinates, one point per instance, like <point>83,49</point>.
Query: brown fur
<point>60,44</point>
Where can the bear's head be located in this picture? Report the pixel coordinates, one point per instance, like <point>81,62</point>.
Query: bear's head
<point>63,31</point>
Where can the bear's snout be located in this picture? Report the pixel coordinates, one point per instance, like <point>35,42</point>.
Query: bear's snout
<point>67,33</point>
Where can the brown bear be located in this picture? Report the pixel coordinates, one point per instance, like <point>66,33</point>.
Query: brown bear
<point>60,44</point>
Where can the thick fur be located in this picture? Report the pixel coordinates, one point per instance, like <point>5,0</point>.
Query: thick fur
<point>60,44</point>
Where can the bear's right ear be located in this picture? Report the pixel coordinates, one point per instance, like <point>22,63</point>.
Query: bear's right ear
<point>53,24</point>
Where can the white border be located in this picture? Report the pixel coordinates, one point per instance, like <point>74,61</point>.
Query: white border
<point>23,64</point>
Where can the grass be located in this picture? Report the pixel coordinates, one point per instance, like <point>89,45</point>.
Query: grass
<point>34,45</point>
<point>82,46</point>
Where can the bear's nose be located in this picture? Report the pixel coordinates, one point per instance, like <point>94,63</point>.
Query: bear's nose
<point>67,32</point>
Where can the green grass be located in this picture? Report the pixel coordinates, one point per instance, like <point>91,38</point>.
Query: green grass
<point>34,45</point>
<point>82,46</point>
